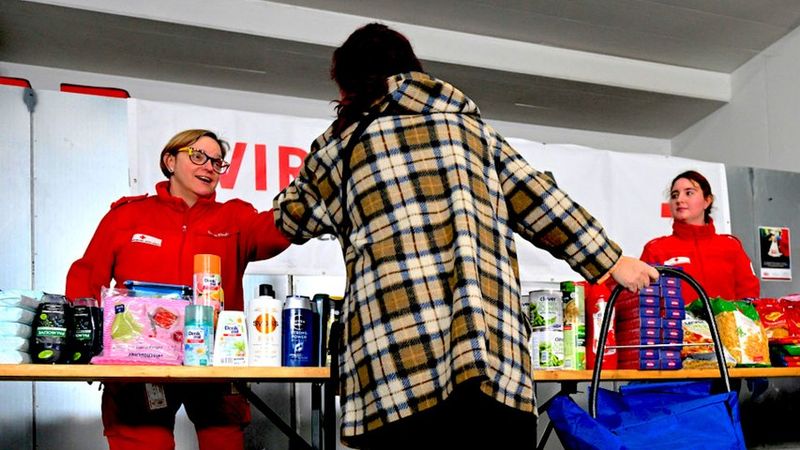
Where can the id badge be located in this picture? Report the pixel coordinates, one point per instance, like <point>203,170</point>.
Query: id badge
<point>156,397</point>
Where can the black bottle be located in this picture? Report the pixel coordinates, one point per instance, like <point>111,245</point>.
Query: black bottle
<point>85,331</point>
<point>49,338</point>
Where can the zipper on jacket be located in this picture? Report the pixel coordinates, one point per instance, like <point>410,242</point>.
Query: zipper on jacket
<point>698,252</point>
<point>184,232</point>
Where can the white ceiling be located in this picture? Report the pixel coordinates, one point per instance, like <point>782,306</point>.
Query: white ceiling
<point>647,68</point>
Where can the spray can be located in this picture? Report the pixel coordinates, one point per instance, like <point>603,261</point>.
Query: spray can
<point>198,335</point>
<point>207,283</point>
<point>264,328</point>
<point>299,334</point>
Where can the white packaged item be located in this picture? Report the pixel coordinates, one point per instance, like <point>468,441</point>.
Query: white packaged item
<point>15,329</point>
<point>16,314</point>
<point>14,357</point>
<point>8,343</point>
<point>264,328</point>
<point>20,299</point>
<point>230,339</point>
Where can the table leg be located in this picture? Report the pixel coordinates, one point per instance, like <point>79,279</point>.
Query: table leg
<point>295,440</point>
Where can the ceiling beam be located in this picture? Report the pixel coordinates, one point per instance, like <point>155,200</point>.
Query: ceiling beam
<point>313,26</point>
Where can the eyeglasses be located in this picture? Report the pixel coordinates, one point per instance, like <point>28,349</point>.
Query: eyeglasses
<point>199,157</point>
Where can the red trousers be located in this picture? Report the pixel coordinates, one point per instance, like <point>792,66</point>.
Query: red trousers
<point>132,419</point>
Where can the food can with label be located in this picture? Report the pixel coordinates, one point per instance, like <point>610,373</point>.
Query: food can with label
<point>546,308</point>
<point>574,325</point>
<point>547,348</point>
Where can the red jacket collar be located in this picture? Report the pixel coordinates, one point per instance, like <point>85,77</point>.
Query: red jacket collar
<point>686,231</point>
<point>162,190</point>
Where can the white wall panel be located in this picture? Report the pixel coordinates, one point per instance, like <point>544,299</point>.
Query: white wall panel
<point>16,398</point>
<point>15,224</point>
<point>80,168</point>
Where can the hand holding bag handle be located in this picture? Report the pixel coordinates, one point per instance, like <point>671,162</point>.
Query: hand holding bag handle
<point>601,344</point>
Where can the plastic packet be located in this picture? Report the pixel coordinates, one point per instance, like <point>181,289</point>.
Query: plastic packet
<point>8,343</point>
<point>14,357</point>
<point>15,329</point>
<point>16,314</point>
<point>141,330</point>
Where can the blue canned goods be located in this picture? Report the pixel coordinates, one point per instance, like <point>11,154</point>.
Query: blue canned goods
<point>299,334</point>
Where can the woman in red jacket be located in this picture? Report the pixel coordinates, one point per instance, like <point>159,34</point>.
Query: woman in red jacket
<point>154,239</point>
<point>717,261</point>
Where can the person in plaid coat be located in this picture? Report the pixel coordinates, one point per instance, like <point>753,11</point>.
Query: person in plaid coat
<point>425,201</point>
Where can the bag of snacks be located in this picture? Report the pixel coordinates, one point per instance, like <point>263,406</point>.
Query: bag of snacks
<point>741,331</point>
<point>695,356</point>
<point>773,318</point>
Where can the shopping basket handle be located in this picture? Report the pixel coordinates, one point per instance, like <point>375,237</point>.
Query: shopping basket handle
<point>601,343</point>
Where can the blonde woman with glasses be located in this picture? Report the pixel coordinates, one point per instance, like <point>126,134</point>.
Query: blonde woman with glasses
<point>154,238</point>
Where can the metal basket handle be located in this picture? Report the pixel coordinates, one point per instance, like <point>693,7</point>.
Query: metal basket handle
<point>601,344</point>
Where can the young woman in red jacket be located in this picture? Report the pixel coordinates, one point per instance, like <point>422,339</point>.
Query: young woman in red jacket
<point>717,261</point>
<point>154,238</point>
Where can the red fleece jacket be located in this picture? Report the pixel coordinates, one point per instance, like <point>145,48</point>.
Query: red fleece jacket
<point>717,261</point>
<point>155,238</point>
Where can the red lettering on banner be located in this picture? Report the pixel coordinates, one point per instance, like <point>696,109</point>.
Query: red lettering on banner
<point>665,211</point>
<point>286,170</point>
<point>261,167</point>
<point>228,179</point>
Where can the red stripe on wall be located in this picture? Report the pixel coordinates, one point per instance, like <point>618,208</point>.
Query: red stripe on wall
<point>94,90</point>
<point>12,81</point>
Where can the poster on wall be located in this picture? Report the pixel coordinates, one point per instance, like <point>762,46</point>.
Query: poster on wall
<point>776,263</point>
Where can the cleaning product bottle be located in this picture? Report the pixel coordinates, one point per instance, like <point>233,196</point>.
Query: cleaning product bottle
<point>198,335</point>
<point>207,283</point>
<point>264,328</point>
<point>230,339</point>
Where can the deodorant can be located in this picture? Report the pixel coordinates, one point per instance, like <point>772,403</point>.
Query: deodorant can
<point>207,283</point>
<point>299,334</point>
<point>198,335</point>
<point>264,328</point>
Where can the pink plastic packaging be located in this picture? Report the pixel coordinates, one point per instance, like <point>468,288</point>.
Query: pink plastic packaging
<point>142,330</point>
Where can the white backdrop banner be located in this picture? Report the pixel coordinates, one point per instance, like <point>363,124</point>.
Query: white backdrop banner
<point>625,191</point>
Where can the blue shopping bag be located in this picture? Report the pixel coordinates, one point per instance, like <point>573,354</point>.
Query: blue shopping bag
<point>654,416</point>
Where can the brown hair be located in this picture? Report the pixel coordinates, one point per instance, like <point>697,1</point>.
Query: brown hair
<point>705,186</point>
<point>184,139</point>
<point>361,66</point>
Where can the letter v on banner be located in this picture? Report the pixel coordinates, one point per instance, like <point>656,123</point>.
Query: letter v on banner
<point>228,179</point>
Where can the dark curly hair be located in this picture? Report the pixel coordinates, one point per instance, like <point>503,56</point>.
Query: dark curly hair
<point>361,66</point>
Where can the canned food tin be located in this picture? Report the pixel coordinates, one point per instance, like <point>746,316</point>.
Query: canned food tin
<point>547,308</point>
<point>547,348</point>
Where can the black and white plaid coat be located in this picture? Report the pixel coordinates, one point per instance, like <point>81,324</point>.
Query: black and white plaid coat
<point>433,296</point>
